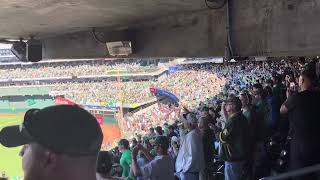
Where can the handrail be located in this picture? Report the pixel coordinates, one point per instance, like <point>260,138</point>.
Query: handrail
<point>294,173</point>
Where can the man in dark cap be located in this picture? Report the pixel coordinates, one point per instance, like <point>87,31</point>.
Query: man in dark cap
<point>234,139</point>
<point>303,110</point>
<point>59,142</point>
<point>160,167</point>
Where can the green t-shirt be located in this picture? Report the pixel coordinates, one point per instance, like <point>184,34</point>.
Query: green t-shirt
<point>125,162</point>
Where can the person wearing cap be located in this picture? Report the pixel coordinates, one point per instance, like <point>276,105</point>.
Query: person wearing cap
<point>160,167</point>
<point>126,157</point>
<point>303,110</point>
<point>59,142</point>
<point>190,159</point>
<point>234,149</point>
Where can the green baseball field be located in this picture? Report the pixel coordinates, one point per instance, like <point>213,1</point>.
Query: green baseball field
<point>10,161</point>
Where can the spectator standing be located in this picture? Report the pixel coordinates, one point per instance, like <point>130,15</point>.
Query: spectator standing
<point>208,139</point>
<point>126,157</point>
<point>303,109</point>
<point>249,112</point>
<point>234,139</point>
<point>190,160</point>
<point>159,167</point>
<point>263,131</point>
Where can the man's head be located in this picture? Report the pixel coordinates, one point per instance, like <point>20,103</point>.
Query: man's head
<point>59,142</point>
<point>123,145</point>
<point>269,83</point>
<point>203,122</point>
<point>307,80</point>
<point>258,93</point>
<point>104,163</point>
<point>159,131</point>
<point>245,98</point>
<point>204,111</point>
<point>276,78</point>
<point>233,105</point>
<point>134,142</point>
<point>151,130</point>
<point>161,145</point>
<point>191,121</point>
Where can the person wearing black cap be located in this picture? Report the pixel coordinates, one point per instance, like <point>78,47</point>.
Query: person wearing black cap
<point>303,110</point>
<point>60,142</point>
<point>160,167</point>
<point>234,139</point>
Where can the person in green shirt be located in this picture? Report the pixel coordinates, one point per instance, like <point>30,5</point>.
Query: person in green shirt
<point>126,157</point>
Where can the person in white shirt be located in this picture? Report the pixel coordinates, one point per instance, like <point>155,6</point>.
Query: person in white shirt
<point>190,160</point>
<point>160,167</point>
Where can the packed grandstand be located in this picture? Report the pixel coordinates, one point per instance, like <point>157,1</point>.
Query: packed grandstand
<point>104,86</point>
<point>83,84</point>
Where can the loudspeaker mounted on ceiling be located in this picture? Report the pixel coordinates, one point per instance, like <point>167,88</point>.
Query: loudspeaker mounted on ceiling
<point>34,50</point>
<point>19,49</point>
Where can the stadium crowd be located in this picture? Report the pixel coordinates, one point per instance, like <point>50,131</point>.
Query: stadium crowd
<point>72,69</point>
<point>185,84</point>
<point>225,126</point>
<point>260,102</point>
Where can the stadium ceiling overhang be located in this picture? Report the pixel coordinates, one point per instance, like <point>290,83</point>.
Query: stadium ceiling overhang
<point>47,18</point>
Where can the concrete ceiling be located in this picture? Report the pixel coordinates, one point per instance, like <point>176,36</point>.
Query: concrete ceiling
<point>44,18</point>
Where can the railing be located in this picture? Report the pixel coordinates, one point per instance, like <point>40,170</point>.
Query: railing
<point>296,173</point>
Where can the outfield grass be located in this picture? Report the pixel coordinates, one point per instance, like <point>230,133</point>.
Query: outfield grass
<point>10,162</point>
